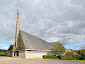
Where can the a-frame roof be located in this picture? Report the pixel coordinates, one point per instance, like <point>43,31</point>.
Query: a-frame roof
<point>33,42</point>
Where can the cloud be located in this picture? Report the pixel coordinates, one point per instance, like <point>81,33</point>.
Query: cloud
<point>1,45</point>
<point>51,20</point>
<point>6,48</point>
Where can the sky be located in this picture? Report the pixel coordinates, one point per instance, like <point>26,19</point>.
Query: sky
<point>5,45</point>
<point>50,20</point>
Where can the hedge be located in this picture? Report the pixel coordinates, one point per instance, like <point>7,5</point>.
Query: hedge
<point>70,56</point>
<point>50,57</point>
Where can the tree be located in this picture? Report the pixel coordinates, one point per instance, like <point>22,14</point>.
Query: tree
<point>11,48</point>
<point>82,54</point>
<point>57,49</point>
<point>9,51</point>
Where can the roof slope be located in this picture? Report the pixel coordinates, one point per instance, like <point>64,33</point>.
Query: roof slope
<point>34,43</point>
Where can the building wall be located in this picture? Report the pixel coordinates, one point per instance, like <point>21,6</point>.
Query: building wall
<point>35,54</point>
<point>22,54</point>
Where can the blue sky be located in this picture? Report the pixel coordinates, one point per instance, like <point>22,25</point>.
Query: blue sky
<point>76,45</point>
<point>5,45</point>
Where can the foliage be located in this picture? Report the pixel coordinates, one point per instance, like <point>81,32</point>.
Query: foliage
<point>59,56</point>
<point>82,54</point>
<point>11,48</point>
<point>1,50</point>
<point>70,56</point>
<point>9,51</point>
<point>57,49</point>
<point>2,53</point>
<point>10,55</point>
<point>50,57</point>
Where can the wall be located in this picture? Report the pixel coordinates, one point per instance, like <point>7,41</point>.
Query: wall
<point>22,54</point>
<point>35,54</point>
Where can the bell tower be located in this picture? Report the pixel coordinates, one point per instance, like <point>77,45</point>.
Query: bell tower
<point>16,33</point>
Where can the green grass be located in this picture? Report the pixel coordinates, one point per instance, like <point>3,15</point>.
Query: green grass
<point>51,58</point>
<point>66,60</point>
<point>2,53</point>
<point>77,60</point>
<point>10,55</point>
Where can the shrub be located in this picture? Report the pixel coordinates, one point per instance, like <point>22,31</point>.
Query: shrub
<point>70,56</point>
<point>2,54</point>
<point>82,54</point>
<point>10,55</point>
<point>50,57</point>
<point>59,56</point>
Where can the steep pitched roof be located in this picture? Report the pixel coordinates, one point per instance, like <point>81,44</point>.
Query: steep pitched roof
<point>33,42</point>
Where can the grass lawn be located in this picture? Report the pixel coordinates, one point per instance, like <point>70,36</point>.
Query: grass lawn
<point>2,53</point>
<point>77,60</point>
<point>67,60</point>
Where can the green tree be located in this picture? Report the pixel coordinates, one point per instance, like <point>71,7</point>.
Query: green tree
<point>11,48</point>
<point>81,53</point>
<point>57,49</point>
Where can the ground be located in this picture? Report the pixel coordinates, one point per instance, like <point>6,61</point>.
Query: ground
<point>9,60</point>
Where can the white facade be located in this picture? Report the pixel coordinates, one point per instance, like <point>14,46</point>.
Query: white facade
<point>32,54</point>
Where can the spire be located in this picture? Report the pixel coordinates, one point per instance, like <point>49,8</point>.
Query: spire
<point>16,30</point>
<point>17,12</point>
<point>18,21</point>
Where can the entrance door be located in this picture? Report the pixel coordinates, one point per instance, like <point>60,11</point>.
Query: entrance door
<point>17,53</point>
